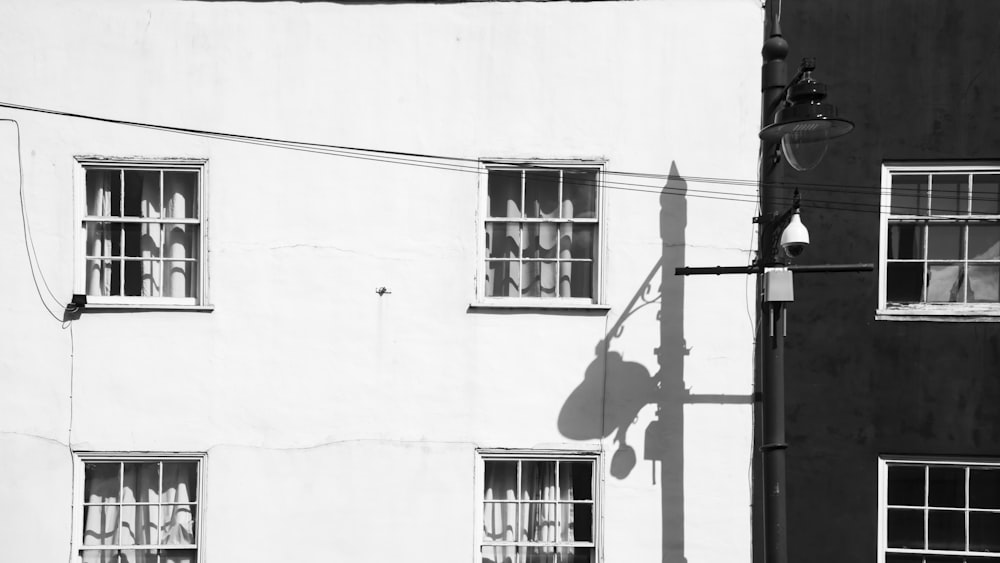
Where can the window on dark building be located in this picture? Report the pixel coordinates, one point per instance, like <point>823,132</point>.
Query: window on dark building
<point>940,241</point>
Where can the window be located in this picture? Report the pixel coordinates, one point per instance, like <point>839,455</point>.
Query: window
<point>539,508</point>
<point>940,250</point>
<point>541,227</point>
<point>939,511</point>
<point>137,509</point>
<point>141,232</point>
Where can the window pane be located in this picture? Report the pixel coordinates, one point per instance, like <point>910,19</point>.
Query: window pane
<point>944,283</point>
<point>177,524</point>
<point>575,480</point>
<point>576,522</point>
<point>986,194</point>
<point>946,529</point>
<point>104,239</point>
<point>907,558</point>
<point>100,524</point>
<point>541,193</point>
<point>949,194</point>
<point>946,487</point>
<point>906,242</point>
<point>134,277</point>
<point>905,528</point>
<point>138,556</point>
<point>98,239</point>
<point>984,487</point>
<point>499,521</point>
<point>538,480</point>
<point>499,554</point>
<point>180,191</point>
<point>538,522</point>
<point>142,482</point>
<point>984,283</point>
<point>180,278</point>
<point>580,240</point>
<point>579,194</point>
<point>904,282</point>
<point>179,481</point>
<point>540,240</point>
<point>500,479</point>
<point>539,279</point>
<point>104,192</point>
<point>178,556</point>
<point>180,240</point>
<point>142,193</point>
<point>140,525</point>
<point>103,556</point>
<point>909,195</point>
<point>133,239</point>
<point>906,485</point>
<point>98,277</point>
<point>504,193</point>
<point>101,482</point>
<point>112,280</point>
<point>944,242</point>
<point>984,242</point>
<point>984,531</point>
<point>575,554</point>
<point>540,555</point>
<point>579,276</point>
<point>503,240</point>
<point>503,279</point>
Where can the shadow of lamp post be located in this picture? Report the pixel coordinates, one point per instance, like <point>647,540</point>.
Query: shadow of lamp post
<point>796,124</point>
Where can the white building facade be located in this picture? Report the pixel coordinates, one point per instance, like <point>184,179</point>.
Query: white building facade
<point>464,342</point>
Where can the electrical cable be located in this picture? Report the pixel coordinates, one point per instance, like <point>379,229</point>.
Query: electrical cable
<point>472,165</point>
<point>29,245</point>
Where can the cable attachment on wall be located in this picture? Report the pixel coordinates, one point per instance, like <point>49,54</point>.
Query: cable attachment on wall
<point>382,291</point>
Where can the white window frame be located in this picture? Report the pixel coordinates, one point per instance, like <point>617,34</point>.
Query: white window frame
<point>597,476</point>
<point>883,481</point>
<point>927,311</point>
<point>200,165</point>
<point>596,301</point>
<point>81,458</point>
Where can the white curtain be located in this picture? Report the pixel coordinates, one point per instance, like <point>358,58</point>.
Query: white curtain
<point>136,511</point>
<point>100,184</point>
<point>500,518</point>
<point>537,516</point>
<point>165,249</point>
<point>178,195</point>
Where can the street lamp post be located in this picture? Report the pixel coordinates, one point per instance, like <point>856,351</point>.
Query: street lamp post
<point>795,126</point>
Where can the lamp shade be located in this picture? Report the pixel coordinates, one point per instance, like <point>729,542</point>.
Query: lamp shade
<point>805,123</point>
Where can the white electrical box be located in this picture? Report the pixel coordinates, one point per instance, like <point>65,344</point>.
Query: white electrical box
<point>778,285</point>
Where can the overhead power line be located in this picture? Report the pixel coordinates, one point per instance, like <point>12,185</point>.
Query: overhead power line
<point>474,165</point>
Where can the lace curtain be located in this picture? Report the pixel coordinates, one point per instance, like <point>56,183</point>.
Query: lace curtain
<point>539,515</point>
<point>139,512</point>
<point>132,249</point>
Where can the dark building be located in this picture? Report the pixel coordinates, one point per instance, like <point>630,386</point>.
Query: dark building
<point>893,376</point>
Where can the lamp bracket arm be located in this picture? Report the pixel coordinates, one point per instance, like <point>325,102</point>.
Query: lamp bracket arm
<point>808,64</point>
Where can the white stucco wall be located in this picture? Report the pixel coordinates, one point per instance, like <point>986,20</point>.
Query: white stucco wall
<point>343,425</point>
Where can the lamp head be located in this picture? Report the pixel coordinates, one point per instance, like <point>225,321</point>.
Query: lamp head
<point>795,237</point>
<point>805,122</point>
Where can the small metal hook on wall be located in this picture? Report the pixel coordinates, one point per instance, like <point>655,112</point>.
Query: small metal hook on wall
<point>382,291</point>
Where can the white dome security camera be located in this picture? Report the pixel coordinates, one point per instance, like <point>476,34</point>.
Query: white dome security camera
<point>795,237</point>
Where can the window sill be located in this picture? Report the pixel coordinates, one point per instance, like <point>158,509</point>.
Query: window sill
<point>118,307</point>
<point>941,312</point>
<point>539,305</point>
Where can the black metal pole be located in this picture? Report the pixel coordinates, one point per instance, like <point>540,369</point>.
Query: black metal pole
<point>773,447</point>
<point>774,77</point>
